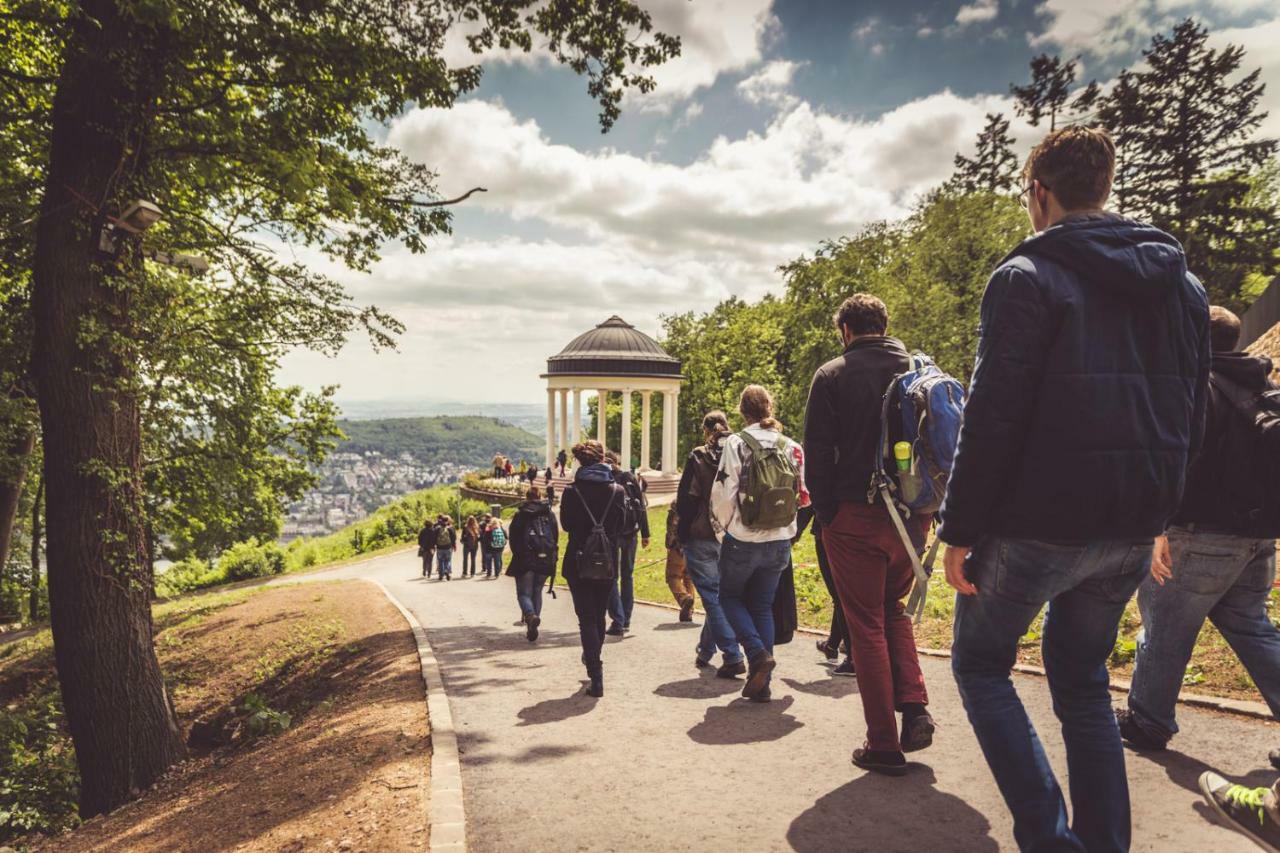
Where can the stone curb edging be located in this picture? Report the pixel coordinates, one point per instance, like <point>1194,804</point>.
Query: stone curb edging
<point>446,811</point>
<point>1239,707</point>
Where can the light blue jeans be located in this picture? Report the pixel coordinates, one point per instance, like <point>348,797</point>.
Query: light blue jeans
<point>1086,587</point>
<point>1226,579</point>
<point>444,562</point>
<point>529,592</point>
<point>701,561</point>
<point>492,560</point>
<point>749,574</point>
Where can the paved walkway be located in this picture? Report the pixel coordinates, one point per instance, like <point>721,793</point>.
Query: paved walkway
<point>672,759</point>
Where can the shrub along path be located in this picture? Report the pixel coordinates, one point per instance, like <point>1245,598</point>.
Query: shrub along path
<point>672,759</point>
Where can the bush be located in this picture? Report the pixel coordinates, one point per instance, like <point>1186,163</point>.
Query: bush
<point>39,782</point>
<point>188,575</point>
<point>248,560</point>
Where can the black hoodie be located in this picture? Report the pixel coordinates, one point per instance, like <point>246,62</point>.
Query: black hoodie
<point>528,512</point>
<point>1089,391</point>
<point>1214,477</point>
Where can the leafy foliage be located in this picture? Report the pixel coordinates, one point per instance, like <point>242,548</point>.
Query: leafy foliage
<point>39,783</point>
<point>994,167</point>
<point>466,440</point>
<point>246,560</point>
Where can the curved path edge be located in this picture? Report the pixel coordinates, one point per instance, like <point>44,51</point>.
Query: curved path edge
<point>447,815</point>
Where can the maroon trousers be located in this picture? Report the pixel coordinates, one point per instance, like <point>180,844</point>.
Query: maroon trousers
<point>872,573</point>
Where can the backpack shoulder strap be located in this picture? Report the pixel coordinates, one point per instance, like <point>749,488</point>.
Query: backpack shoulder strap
<point>751,442</point>
<point>590,514</point>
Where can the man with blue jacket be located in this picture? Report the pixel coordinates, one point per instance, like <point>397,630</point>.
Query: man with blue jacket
<point>1086,404</point>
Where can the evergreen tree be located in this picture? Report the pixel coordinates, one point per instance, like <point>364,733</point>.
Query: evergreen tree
<point>1046,95</point>
<point>994,167</point>
<point>1188,150</point>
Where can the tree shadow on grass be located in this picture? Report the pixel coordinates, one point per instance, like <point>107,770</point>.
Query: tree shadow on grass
<point>877,813</point>
<point>556,710</point>
<point>743,721</point>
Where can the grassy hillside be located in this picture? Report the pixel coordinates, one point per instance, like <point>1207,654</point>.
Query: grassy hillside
<point>466,440</point>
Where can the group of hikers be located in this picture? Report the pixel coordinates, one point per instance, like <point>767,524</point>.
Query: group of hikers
<point>438,540</point>
<point>1111,441</point>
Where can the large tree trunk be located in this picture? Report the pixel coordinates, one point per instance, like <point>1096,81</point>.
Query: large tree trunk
<point>11,493</point>
<point>117,710</point>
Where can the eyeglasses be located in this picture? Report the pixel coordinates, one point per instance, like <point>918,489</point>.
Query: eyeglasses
<point>1024,197</point>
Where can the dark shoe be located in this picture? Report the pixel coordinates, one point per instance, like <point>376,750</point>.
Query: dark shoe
<point>1136,736</point>
<point>1249,811</point>
<point>615,630</point>
<point>758,669</point>
<point>917,731</point>
<point>686,610</point>
<point>701,662</point>
<point>531,621</point>
<point>880,761</point>
<point>765,695</point>
<point>731,670</point>
<point>827,650</point>
<point>596,687</point>
<point>1274,757</point>
<point>845,668</point>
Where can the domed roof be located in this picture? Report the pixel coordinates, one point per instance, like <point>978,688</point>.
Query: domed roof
<point>614,348</point>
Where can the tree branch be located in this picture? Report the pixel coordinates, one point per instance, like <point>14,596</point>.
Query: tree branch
<point>444,203</point>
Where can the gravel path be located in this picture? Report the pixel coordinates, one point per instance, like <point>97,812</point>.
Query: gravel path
<point>673,759</point>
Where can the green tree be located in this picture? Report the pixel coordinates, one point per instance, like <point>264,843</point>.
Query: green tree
<point>1185,125</point>
<point>245,121</point>
<point>994,167</point>
<point>1047,93</point>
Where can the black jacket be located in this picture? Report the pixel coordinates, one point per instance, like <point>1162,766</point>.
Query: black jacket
<point>427,538</point>
<point>595,492</point>
<point>525,515</point>
<point>842,421</point>
<point>1213,477</point>
<point>1089,390</point>
<point>693,495</point>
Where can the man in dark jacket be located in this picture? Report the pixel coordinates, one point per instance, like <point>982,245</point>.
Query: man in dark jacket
<point>446,544</point>
<point>1215,562</point>
<point>535,546</point>
<point>622,604</point>
<point>870,566</point>
<point>427,546</point>
<point>1086,404</point>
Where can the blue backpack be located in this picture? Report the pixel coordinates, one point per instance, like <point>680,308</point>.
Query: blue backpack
<point>922,407</point>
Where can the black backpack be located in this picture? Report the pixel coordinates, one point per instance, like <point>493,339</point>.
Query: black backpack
<point>597,560</point>
<point>633,505</point>
<point>538,546</point>
<point>1251,447</point>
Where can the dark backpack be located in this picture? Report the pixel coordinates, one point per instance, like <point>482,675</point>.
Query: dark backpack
<point>539,546</point>
<point>769,493</point>
<point>633,505</point>
<point>597,560</point>
<point>1251,446</point>
<point>444,538</point>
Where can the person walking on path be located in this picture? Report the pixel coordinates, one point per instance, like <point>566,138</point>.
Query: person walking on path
<point>493,541</point>
<point>869,563</point>
<point>592,513</point>
<point>757,490</point>
<point>622,601</point>
<point>470,545</point>
<point>837,636</point>
<point>427,547</point>
<point>446,544</point>
<point>499,463</point>
<point>1087,401</point>
<point>535,547</point>
<point>1218,559</point>
<point>701,547</point>
<point>678,582</point>
<point>562,460</point>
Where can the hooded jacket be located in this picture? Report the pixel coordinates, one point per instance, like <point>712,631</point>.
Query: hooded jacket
<point>1089,391</point>
<point>1214,476</point>
<point>593,489</point>
<point>693,495</point>
<point>527,514</point>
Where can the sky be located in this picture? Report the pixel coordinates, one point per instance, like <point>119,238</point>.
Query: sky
<point>783,123</point>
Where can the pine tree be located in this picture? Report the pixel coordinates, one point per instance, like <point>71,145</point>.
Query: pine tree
<point>1047,93</point>
<point>1188,153</point>
<point>994,167</point>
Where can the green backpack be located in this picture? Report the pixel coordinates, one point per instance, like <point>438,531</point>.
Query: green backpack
<point>767,490</point>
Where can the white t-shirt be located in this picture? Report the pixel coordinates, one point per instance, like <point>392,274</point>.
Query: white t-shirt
<point>726,516</point>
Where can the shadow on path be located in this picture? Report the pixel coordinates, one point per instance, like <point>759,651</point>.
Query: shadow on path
<point>834,687</point>
<point>700,687</point>
<point>743,721</point>
<point>556,710</point>
<point>878,813</point>
<point>1184,771</point>
<point>677,626</point>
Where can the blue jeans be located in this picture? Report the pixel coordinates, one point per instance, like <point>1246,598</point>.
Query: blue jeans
<point>444,562</point>
<point>701,561</point>
<point>1086,587</point>
<point>1226,579</point>
<point>621,606</point>
<point>493,560</point>
<point>749,573</point>
<point>529,592</point>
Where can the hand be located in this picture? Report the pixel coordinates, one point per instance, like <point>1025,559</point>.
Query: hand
<point>644,543</point>
<point>1161,561</point>
<point>953,562</point>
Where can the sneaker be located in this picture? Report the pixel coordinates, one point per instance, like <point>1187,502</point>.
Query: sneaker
<point>596,688</point>
<point>615,630</point>
<point>532,621</point>
<point>732,670</point>
<point>880,761</point>
<point>686,610</point>
<point>845,668</point>
<point>1249,811</point>
<point>765,695</point>
<point>758,671</point>
<point>917,731</point>
<point>827,650</point>
<point>1134,735</point>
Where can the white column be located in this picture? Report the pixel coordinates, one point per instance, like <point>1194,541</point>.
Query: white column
<point>564,419</point>
<point>675,430</point>
<point>602,403</point>
<point>551,426</point>
<point>667,419</point>
<point>646,398</point>
<point>576,431</point>
<point>626,429</point>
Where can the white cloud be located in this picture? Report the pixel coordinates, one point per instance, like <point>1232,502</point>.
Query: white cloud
<point>977,12</point>
<point>877,49</point>
<point>1261,45</point>
<point>866,29</point>
<point>771,84</point>
<point>925,32</point>
<point>1114,28</point>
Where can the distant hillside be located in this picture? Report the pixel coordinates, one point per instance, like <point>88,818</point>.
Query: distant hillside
<point>467,440</point>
